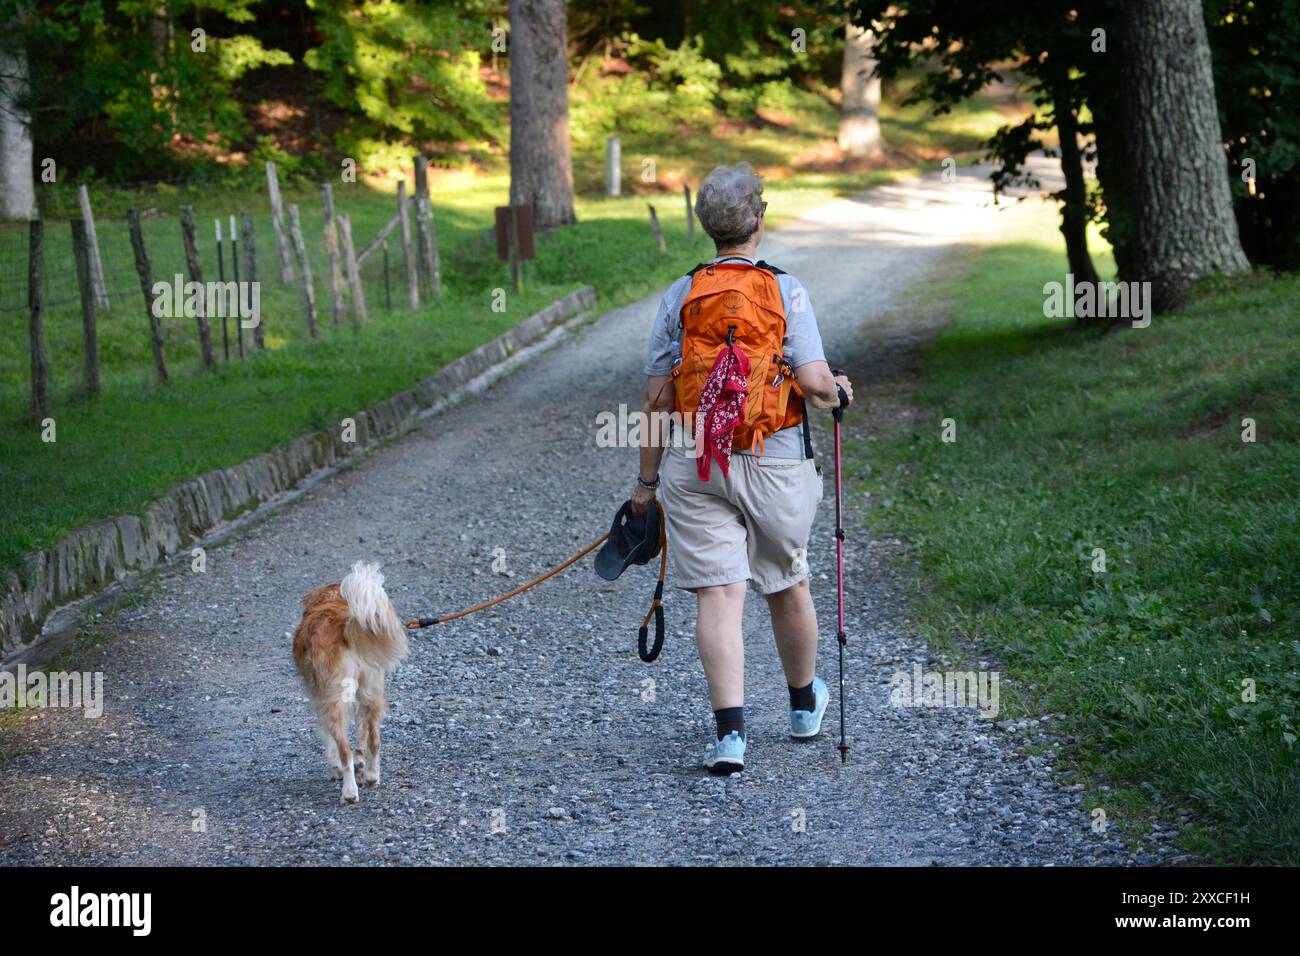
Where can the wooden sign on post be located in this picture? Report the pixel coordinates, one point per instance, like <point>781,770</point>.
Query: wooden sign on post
<point>514,234</point>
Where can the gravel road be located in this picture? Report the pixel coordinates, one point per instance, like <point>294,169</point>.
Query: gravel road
<point>531,733</point>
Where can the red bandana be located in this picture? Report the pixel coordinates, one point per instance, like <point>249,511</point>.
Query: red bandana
<point>721,411</point>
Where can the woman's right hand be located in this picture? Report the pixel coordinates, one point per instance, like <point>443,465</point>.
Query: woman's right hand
<point>820,386</point>
<point>843,382</point>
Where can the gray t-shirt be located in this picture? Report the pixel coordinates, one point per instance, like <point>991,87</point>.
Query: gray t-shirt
<point>802,344</point>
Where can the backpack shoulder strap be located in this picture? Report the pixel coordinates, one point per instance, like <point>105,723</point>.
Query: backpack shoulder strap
<point>762,264</point>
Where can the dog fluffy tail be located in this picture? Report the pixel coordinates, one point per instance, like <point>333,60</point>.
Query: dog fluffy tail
<point>373,630</point>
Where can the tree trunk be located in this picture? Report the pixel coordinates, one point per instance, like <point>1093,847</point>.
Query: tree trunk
<point>1181,217</point>
<point>1074,211</point>
<point>1112,163</point>
<point>17,186</point>
<point>859,96</point>
<point>541,172</point>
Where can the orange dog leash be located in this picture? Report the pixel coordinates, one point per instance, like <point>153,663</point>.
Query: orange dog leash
<point>656,605</point>
<point>416,623</point>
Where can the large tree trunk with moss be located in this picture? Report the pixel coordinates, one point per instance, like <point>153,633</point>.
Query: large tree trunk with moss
<point>541,172</point>
<point>17,186</point>
<point>1179,224</point>
<point>859,96</point>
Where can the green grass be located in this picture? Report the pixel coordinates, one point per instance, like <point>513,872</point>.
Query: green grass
<point>116,454</point>
<point>1131,442</point>
<point>794,148</point>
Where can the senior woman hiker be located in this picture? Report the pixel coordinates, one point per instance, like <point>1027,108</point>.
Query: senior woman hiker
<point>735,349</point>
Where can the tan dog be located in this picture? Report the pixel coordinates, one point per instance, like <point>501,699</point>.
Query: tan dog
<point>349,638</point>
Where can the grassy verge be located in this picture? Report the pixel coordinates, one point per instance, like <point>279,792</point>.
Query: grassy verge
<point>1176,666</point>
<point>116,454</point>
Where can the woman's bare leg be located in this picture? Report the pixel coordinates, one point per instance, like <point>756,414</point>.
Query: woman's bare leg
<point>794,625</point>
<point>722,647</point>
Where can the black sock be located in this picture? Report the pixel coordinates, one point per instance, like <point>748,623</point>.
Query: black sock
<point>802,698</point>
<point>729,719</point>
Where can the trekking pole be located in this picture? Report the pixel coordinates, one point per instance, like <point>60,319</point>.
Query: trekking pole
<point>840,636</point>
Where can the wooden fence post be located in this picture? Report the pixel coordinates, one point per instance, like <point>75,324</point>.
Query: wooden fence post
<point>388,291</point>
<point>354,271</point>
<point>690,214</point>
<point>250,269</point>
<point>86,283</point>
<point>332,253</point>
<point>300,250</point>
<point>412,270</point>
<point>92,240</point>
<point>190,237</point>
<point>36,299</point>
<point>239,289</point>
<point>421,177</point>
<point>428,243</point>
<point>220,299</point>
<point>654,227</point>
<point>145,272</point>
<point>421,240</point>
<point>277,221</point>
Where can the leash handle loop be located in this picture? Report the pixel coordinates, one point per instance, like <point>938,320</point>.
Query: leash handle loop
<point>657,604</point>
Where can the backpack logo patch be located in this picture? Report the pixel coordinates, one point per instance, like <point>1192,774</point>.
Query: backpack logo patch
<point>733,302</point>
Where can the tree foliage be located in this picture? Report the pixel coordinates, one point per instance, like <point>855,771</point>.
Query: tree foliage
<point>156,80</point>
<point>1256,48</point>
<point>376,79</point>
<point>408,72</point>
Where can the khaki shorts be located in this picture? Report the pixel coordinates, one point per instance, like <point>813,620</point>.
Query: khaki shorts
<point>744,527</point>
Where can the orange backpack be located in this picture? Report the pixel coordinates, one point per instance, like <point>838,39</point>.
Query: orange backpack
<point>736,299</point>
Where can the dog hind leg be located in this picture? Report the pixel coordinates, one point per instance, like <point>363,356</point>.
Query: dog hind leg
<point>370,713</point>
<point>337,717</point>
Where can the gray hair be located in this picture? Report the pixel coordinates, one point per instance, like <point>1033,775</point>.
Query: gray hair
<point>729,203</point>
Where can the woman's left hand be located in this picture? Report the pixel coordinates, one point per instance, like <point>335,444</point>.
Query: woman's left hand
<point>641,499</point>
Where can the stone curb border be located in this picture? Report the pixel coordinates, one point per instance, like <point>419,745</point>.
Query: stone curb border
<point>101,554</point>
